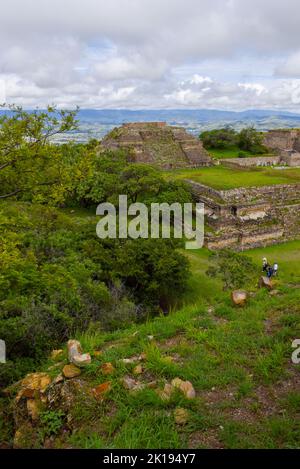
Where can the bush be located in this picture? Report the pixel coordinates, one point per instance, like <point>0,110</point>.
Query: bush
<point>219,138</point>
<point>235,270</point>
<point>58,278</point>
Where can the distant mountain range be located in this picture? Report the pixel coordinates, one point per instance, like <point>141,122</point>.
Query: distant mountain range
<point>97,123</point>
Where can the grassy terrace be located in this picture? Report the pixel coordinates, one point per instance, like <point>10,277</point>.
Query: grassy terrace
<point>232,153</point>
<point>220,177</point>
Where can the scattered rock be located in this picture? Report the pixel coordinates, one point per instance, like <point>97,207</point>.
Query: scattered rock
<point>33,384</point>
<point>129,383</point>
<point>274,293</point>
<point>265,282</point>
<point>128,361</point>
<point>166,393</point>
<point>239,297</point>
<point>134,359</point>
<point>102,389</point>
<point>71,371</point>
<point>107,368</point>
<point>75,354</point>
<point>132,384</point>
<point>150,337</point>
<point>185,387</point>
<point>181,416</point>
<point>138,370</point>
<point>33,409</point>
<point>56,354</point>
<point>64,395</point>
<point>59,378</point>
<point>82,360</point>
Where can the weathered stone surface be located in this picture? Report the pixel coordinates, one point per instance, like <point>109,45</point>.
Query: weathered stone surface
<point>33,408</point>
<point>132,385</point>
<point>249,217</point>
<point>181,416</point>
<point>239,297</point>
<point>75,354</point>
<point>59,378</point>
<point>282,140</point>
<point>158,144</point>
<point>101,390</point>
<point>71,371</point>
<point>33,384</point>
<point>107,368</point>
<point>166,393</point>
<point>185,387</point>
<point>82,360</point>
<point>65,393</point>
<point>265,282</point>
<point>74,348</point>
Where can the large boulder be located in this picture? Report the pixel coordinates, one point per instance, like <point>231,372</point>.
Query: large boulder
<point>239,297</point>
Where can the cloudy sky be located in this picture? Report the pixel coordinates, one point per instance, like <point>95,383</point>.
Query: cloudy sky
<point>216,54</point>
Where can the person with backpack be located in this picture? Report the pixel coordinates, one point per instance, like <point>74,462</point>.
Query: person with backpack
<point>265,265</point>
<point>270,271</point>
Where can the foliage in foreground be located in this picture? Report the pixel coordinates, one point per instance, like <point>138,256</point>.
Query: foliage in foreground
<point>57,277</point>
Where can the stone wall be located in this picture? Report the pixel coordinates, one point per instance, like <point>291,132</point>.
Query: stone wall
<point>251,161</point>
<point>290,158</point>
<point>245,218</point>
<point>281,140</point>
<point>280,193</point>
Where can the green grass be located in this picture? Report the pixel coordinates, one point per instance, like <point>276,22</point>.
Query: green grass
<point>238,360</point>
<point>231,153</point>
<point>220,177</point>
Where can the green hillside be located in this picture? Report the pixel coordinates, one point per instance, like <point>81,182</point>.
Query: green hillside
<point>237,359</point>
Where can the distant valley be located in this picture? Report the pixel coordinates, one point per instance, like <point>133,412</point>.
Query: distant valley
<point>97,123</point>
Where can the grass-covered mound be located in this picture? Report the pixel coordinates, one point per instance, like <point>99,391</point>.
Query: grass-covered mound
<point>220,177</point>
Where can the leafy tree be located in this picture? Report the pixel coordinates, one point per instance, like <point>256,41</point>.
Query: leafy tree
<point>138,180</point>
<point>251,140</point>
<point>235,270</point>
<point>30,166</point>
<point>153,270</point>
<point>219,138</point>
<point>102,176</point>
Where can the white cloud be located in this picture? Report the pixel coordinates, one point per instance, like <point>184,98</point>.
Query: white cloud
<point>291,67</point>
<point>151,53</point>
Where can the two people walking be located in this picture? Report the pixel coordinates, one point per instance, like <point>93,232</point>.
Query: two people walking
<point>270,270</point>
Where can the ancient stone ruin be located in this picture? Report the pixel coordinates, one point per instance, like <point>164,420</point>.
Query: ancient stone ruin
<point>286,144</point>
<point>250,217</point>
<point>159,144</point>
